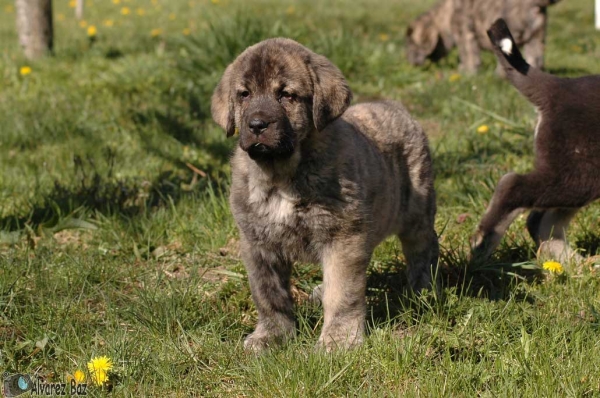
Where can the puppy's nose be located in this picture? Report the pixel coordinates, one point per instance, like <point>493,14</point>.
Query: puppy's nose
<point>258,126</point>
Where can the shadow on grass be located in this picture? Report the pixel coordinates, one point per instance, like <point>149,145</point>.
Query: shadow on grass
<point>94,190</point>
<point>387,286</point>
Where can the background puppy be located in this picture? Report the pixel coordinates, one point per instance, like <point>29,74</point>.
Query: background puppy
<point>463,23</point>
<point>567,144</point>
<point>317,182</point>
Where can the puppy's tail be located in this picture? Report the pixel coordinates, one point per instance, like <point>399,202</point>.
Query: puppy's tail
<point>530,81</point>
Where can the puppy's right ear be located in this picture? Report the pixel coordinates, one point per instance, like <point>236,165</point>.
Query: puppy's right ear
<point>222,103</point>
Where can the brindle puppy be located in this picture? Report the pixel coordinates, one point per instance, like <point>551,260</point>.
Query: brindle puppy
<point>315,181</point>
<point>567,144</point>
<point>463,23</point>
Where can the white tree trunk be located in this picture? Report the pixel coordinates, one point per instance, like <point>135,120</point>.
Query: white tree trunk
<point>597,14</point>
<point>34,26</point>
<point>79,9</point>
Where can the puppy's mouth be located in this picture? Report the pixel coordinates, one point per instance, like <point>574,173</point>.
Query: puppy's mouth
<point>259,151</point>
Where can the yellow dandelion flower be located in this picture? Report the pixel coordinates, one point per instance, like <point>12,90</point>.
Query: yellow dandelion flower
<point>187,31</point>
<point>155,32</point>
<point>91,31</point>
<point>125,11</point>
<point>79,376</point>
<point>99,368</point>
<point>454,77</point>
<point>214,1</point>
<point>140,11</point>
<point>72,3</point>
<point>483,129</point>
<point>384,37</point>
<point>9,9</point>
<point>172,16</point>
<point>25,70</point>
<point>83,23</point>
<point>116,1</point>
<point>290,10</point>
<point>108,22</point>
<point>60,17</point>
<point>554,267</point>
<point>154,2</point>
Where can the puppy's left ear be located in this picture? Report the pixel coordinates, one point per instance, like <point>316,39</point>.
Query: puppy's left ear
<point>222,103</point>
<point>331,94</point>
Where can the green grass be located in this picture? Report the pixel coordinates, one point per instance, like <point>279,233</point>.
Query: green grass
<point>110,244</point>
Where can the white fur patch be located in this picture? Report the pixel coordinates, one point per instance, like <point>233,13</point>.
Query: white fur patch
<point>506,46</point>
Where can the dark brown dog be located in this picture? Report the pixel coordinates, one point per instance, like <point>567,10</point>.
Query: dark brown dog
<point>316,181</point>
<point>463,23</point>
<point>567,144</point>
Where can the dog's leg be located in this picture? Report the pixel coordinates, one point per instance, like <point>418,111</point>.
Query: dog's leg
<point>468,48</point>
<point>533,49</point>
<point>421,249</point>
<point>269,279</point>
<point>344,287</point>
<point>548,229</point>
<point>510,198</point>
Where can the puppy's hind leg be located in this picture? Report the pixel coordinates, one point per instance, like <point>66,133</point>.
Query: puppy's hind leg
<point>510,198</point>
<point>548,229</point>
<point>269,278</point>
<point>421,250</point>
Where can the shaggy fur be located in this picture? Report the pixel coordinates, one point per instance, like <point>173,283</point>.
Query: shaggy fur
<point>567,144</point>
<point>316,181</point>
<point>463,23</point>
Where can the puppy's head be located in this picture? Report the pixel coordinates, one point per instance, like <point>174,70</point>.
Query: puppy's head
<point>424,41</point>
<point>276,93</point>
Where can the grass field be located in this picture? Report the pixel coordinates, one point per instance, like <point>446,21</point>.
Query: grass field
<point>116,237</point>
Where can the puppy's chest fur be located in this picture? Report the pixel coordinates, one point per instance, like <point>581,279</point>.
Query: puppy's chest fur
<point>282,220</point>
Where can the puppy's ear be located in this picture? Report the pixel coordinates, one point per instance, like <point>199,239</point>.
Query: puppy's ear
<point>331,94</point>
<point>222,103</point>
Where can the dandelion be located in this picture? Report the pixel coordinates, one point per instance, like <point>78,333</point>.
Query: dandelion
<point>72,3</point>
<point>214,1</point>
<point>60,17</point>
<point>91,31</point>
<point>155,32</point>
<point>108,23</point>
<point>125,11</point>
<point>25,70</point>
<point>116,1</point>
<point>483,129</point>
<point>186,31</point>
<point>140,11</point>
<point>172,17</point>
<point>9,9</point>
<point>554,267</point>
<point>79,376</point>
<point>454,77</point>
<point>290,10</point>
<point>384,37</point>
<point>154,2</point>
<point>82,23</point>
<point>99,368</point>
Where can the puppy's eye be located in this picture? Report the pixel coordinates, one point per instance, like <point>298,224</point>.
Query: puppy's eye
<point>286,96</point>
<point>245,94</point>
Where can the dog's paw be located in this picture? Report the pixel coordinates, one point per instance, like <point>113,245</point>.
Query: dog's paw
<point>344,337</point>
<point>316,297</point>
<point>261,339</point>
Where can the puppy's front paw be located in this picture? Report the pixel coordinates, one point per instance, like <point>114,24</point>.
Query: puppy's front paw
<point>262,339</point>
<point>341,337</point>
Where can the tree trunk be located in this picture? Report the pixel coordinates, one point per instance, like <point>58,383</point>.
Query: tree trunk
<point>34,25</point>
<point>79,9</point>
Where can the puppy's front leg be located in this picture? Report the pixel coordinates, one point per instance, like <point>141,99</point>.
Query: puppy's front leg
<point>269,278</point>
<point>344,287</point>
